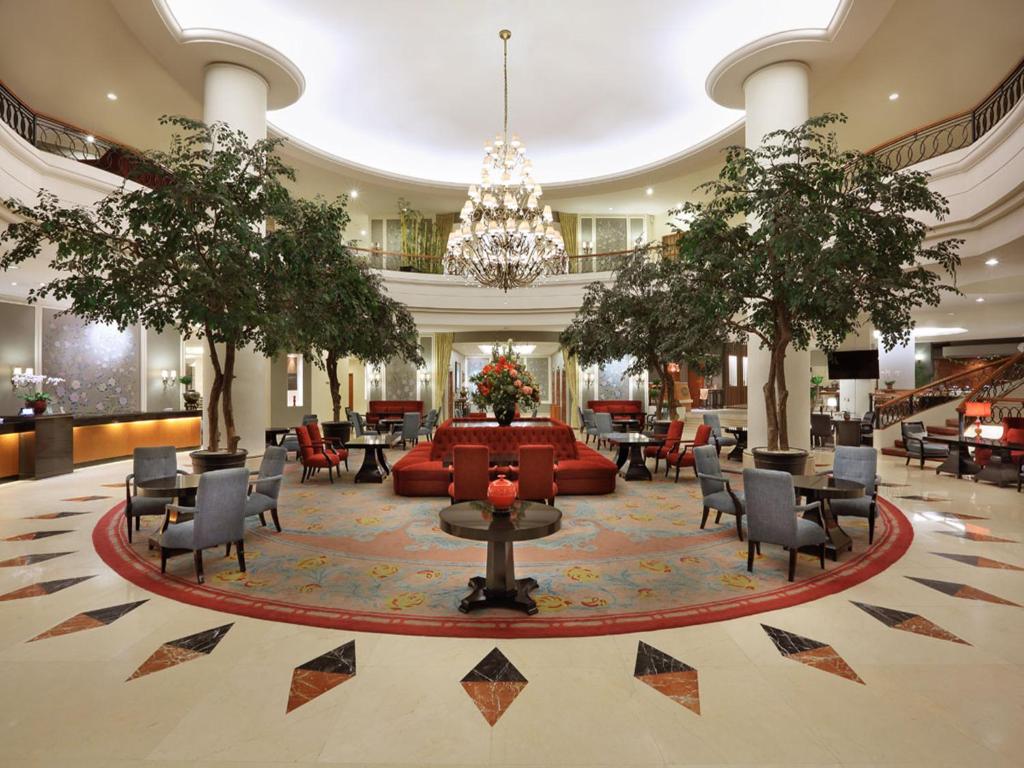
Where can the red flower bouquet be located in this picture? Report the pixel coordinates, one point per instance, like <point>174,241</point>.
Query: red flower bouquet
<point>504,383</point>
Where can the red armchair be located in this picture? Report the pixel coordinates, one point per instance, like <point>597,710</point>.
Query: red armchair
<point>537,474</point>
<point>684,458</point>
<point>313,460</point>
<point>671,444</point>
<point>470,474</point>
<point>326,445</point>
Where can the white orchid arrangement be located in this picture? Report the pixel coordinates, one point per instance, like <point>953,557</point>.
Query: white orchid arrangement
<point>30,385</point>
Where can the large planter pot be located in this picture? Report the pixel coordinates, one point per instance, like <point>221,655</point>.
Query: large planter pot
<point>208,461</point>
<point>504,415</point>
<point>793,461</point>
<point>339,430</point>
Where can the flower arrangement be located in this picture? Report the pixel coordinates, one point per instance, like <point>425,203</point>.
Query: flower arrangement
<point>504,383</point>
<point>29,387</point>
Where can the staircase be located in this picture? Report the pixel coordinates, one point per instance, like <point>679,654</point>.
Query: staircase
<point>993,382</point>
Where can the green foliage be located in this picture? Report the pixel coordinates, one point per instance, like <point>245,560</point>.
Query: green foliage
<point>420,238</point>
<point>341,308</point>
<point>799,240</point>
<point>647,314</point>
<point>190,253</point>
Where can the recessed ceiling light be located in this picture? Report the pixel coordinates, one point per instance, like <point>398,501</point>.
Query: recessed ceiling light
<point>991,262</point>
<point>893,96</point>
<point>354,193</point>
<point>980,299</point>
<point>112,96</point>
<point>90,138</point>
<point>611,209</point>
<point>649,191</point>
<point>362,233</point>
<point>13,283</point>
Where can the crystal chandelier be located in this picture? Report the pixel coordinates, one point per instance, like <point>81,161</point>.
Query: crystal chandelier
<point>505,239</point>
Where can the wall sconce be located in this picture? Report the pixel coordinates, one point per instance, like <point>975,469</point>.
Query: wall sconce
<point>169,378</point>
<point>588,380</point>
<point>424,377</point>
<point>15,372</point>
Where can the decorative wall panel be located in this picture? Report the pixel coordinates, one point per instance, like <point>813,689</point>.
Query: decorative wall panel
<point>100,365</point>
<point>612,383</point>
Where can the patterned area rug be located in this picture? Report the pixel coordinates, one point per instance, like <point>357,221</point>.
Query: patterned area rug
<point>361,558</point>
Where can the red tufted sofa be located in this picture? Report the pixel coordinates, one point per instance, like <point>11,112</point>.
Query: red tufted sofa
<point>393,409</point>
<point>581,469</point>
<point>619,409</point>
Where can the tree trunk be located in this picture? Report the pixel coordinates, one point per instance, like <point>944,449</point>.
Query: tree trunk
<point>771,414</point>
<point>782,395</point>
<point>668,390</point>
<point>334,384</point>
<point>229,408</point>
<point>213,406</point>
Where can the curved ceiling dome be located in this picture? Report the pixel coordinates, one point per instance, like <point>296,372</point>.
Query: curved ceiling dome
<point>414,89</point>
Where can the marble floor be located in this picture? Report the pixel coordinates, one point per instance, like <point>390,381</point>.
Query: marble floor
<point>923,665</point>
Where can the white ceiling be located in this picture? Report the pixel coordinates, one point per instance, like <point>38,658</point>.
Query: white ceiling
<point>598,87</point>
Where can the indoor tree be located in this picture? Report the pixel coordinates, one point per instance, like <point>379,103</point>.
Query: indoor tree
<point>342,308</point>
<point>799,241</point>
<point>190,253</point>
<point>646,314</point>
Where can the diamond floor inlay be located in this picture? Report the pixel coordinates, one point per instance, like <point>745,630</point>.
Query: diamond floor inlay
<point>668,676</point>
<point>961,590</point>
<point>55,515</point>
<point>31,559</point>
<point>319,675</point>
<point>908,622</point>
<point>978,561</point>
<point>183,649</point>
<point>99,617</point>
<point>493,684</point>
<point>813,653</point>
<point>44,588</point>
<point>34,535</point>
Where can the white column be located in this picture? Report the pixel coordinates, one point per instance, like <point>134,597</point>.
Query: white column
<point>238,96</point>
<point>776,97</point>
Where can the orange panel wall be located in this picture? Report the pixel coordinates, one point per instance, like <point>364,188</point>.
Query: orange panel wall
<point>110,441</point>
<point>9,455</point>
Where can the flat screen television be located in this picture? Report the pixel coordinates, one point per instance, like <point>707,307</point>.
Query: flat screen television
<point>859,364</point>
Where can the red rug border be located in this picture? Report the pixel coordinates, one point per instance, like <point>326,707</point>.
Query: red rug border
<point>895,542</point>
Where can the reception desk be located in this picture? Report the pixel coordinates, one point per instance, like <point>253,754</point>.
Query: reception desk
<point>33,447</point>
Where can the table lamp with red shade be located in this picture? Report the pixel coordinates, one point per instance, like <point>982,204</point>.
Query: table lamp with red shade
<point>979,410</point>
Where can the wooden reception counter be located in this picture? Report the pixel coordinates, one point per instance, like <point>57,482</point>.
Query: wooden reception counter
<point>41,446</point>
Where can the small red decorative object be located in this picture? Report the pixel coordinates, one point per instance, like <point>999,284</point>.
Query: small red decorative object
<point>501,493</point>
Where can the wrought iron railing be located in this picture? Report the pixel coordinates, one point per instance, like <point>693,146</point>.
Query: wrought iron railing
<point>1002,381</point>
<point>954,132</point>
<point>936,393</point>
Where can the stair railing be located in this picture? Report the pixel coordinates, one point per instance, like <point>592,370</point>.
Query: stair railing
<point>935,393</point>
<point>994,388</point>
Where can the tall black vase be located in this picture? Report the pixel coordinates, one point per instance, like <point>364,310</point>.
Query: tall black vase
<point>504,414</point>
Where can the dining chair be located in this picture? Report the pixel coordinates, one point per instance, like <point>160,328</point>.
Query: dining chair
<point>588,424</point>
<point>537,474</point>
<point>429,425</point>
<point>603,424</point>
<point>848,433</point>
<point>716,490</point>
<point>470,474</point>
<point>717,438</point>
<point>773,516</point>
<point>217,518</point>
<point>410,428</point>
<point>859,464</point>
<point>671,437</point>
<point>682,455</point>
<point>264,491</point>
<point>148,464</point>
<point>358,424</point>
<point>821,429</point>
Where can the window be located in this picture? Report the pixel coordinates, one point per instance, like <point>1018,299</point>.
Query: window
<point>386,235</point>
<point>733,371</point>
<point>294,373</point>
<point>608,234</point>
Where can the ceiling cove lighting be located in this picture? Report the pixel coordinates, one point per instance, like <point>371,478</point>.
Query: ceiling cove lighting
<point>506,240</point>
<point>930,330</point>
<point>991,262</point>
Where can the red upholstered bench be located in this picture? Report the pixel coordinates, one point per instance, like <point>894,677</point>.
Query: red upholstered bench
<point>391,409</point>
<point>619,409</point>
<point>580,469</point>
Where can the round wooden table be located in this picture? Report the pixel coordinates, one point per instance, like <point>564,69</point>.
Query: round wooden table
<point>824,488</point>
<point>478,521</point>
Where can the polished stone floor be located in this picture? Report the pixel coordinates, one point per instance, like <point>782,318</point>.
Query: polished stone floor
<point>923,665</point>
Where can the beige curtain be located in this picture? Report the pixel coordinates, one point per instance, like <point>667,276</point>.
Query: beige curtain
<point>572,379</point>
<point>442,361</point>
<point>569,224</point>
<point>443,223</point>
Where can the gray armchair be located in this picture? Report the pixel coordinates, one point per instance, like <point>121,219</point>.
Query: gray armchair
<point>410,428</point>
<point>772,516</point>
<point>915,443</point>
<point>717,438</point>
<point>263,491</point>
<point>429,425</point>
<point>718,493</point>
<point>588,424</point>
<point>861,466</point>
<point>358,425</point>
<point>217,518</point>
<point>604,424</point>
<point>148,464</point>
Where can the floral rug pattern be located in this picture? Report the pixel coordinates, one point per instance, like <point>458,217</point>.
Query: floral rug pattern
<point>362,558</point>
